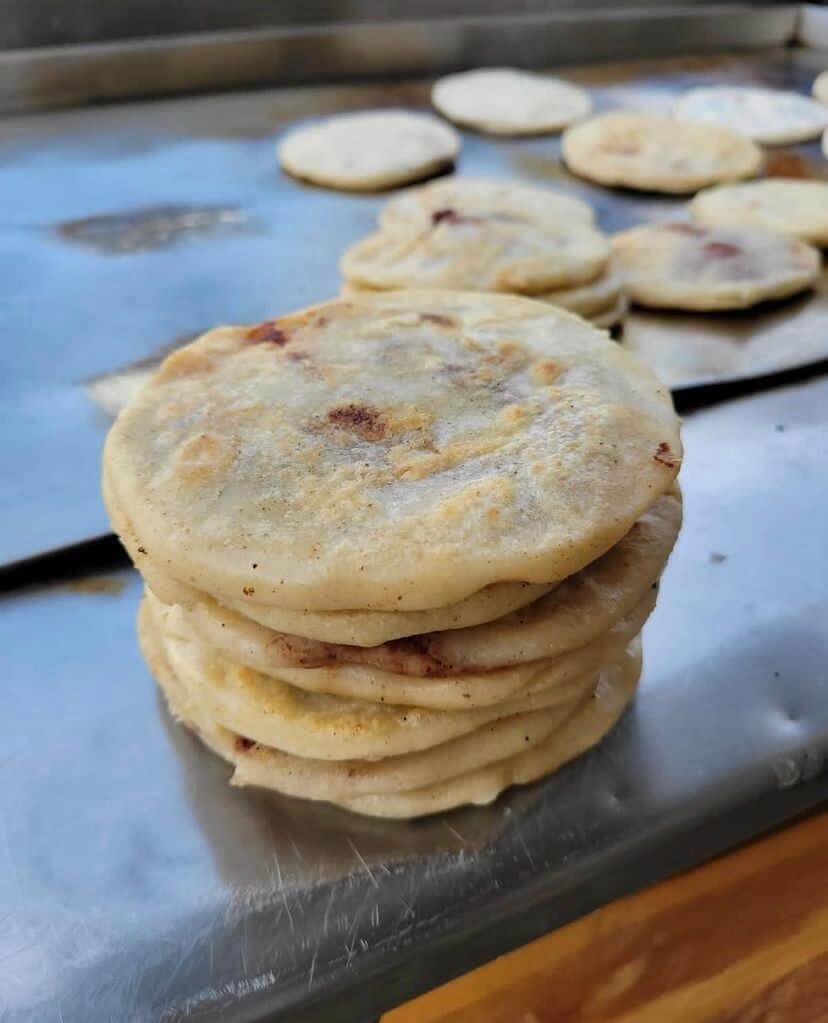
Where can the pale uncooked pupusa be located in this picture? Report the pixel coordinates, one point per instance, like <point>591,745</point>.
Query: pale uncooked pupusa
<point>369,150</point>
<point>658,153</point>
<point>786,205</point>
<point>505,101</point>
<point>684,266</point>
<point>770,116</point>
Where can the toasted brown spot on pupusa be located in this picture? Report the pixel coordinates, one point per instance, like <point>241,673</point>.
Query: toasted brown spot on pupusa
<point>545,371</point>
<point>268,332</point>
<point>362,420</point>
<point>202,457</point>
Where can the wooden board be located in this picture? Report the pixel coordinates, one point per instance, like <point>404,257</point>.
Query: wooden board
<point>743,939</point>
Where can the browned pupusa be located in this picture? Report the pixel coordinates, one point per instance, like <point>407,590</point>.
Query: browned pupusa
<point>396,452</point>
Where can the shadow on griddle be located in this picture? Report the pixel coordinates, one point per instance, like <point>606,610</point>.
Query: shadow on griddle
<point>264,840</point>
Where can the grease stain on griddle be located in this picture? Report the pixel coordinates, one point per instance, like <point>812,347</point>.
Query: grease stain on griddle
<point>150,227</point>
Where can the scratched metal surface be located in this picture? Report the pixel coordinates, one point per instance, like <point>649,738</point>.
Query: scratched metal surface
<point>128,229</point>
<point>136,885</point>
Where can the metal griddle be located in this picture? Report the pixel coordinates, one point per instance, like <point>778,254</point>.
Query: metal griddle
<point>134,883</point>
<point>127,230</point>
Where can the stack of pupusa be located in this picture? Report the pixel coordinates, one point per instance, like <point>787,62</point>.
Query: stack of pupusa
<point>491,236</point>
<point>398,548</point>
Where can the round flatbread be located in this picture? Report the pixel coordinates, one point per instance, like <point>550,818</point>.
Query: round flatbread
<point>590,723</point>
<point>588,606</point>
<point>503,101</point>
<point>239,641</point>
<point>368,151</point>
<point>684,266</point>
<point>820,87</point>
<point>415,774</point>
<point>578,611</point>
<point>658,153</point>
<point>418,208</point>
<point>313,724</point>
<point>786,205</point>
<point>331,779</point>
<point>503,248</point>
<point>359,628</point>
<point>601,301</point>
<point>397,452</point>
<point>770,116</point>
<point>604,315</point>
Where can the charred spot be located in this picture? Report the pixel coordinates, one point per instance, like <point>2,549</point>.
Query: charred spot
<point>721,250</point>
<point>363,420</point>
<point>142,550</point>
<point>665,455</point>
<point>243,744</point>
<point>690,229</point>
<point>248,591</point>
<point>268,332</point>
<point>439,318</point>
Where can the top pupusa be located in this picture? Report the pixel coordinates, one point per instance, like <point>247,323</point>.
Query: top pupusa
<point>394,452</point>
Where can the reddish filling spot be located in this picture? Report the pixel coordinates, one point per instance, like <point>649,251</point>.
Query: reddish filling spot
<point>243,744</point>
<point>449,215</point>
<point>267,333</point>
<point>363,420</point>
<point>721,250</point>
<point>685,229</point>
<point>664,455</point>
<point>443,321</point>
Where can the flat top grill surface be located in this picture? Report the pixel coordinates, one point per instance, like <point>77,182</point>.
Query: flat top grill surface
<point>134,883</point>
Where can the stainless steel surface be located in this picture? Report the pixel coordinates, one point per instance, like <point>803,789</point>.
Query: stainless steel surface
<point>126,230</point>
<point>136,885</point>
<point>53,76</point>
<point>29,23</point>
